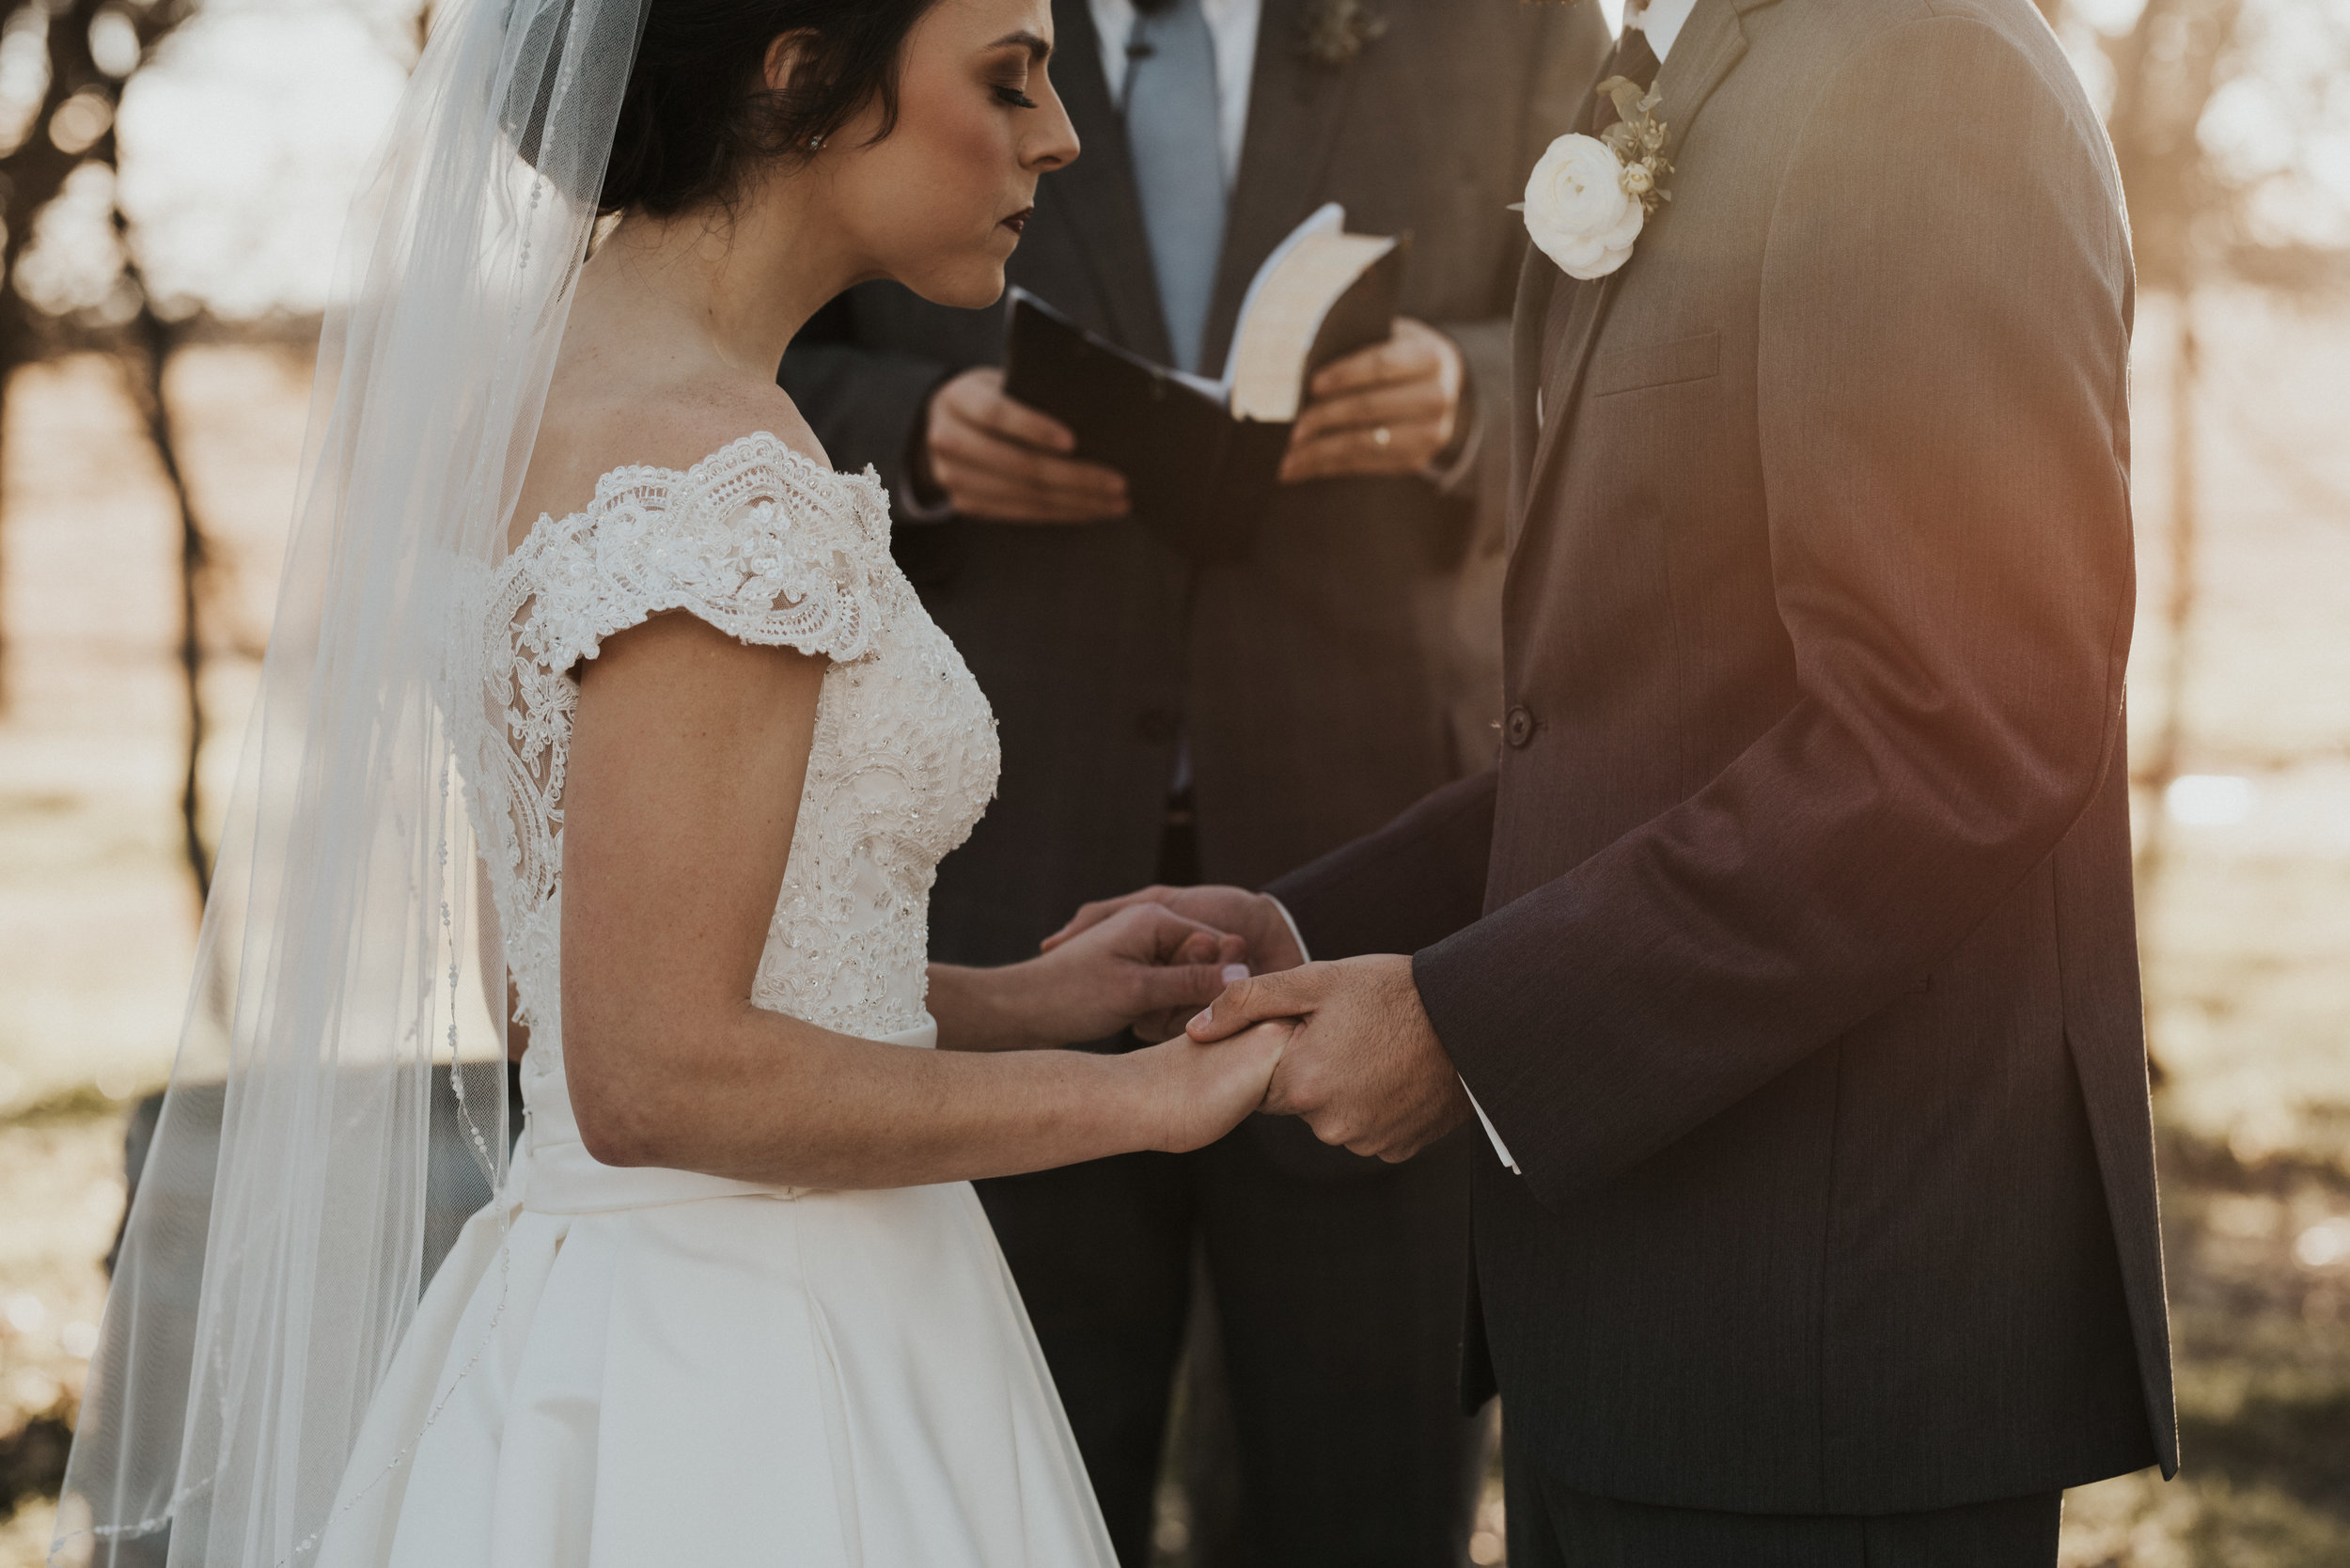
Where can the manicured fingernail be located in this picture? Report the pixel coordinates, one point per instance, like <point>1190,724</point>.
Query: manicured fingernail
<point>1207,1016</point>
<point>1235,973</point>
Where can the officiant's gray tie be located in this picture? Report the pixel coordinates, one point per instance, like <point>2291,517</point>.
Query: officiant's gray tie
<point>1179,165</point>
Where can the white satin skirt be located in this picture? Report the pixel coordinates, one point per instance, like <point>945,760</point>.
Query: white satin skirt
<point>647,1367</point>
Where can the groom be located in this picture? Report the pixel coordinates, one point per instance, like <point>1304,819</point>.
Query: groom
<point>1789,952</point>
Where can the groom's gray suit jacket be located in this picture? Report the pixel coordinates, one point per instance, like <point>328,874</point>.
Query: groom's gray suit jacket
<point>1791,947</point>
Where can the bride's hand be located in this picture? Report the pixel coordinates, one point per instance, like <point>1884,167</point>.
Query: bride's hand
<point>1194,1094</point>
<point>1146,969</point>
<point>1270,941</point>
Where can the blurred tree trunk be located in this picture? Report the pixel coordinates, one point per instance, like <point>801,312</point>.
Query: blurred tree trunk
<point>31,175</point>
<point>92,48</point>
<point>2178,608</point>
<point>2166,69</point>
<point>145,367</point>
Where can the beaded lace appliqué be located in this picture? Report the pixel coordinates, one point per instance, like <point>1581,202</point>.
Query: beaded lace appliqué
<point>776,550</point>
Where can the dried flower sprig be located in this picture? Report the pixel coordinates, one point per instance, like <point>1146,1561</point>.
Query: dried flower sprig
<point>1637,140</point>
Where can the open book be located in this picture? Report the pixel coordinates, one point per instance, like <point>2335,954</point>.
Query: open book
<point>1200,456</point>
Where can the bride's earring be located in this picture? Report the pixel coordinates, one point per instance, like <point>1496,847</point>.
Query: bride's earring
<point>816,144</point>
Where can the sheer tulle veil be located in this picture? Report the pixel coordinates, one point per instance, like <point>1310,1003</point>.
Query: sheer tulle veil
<point>339,954</point>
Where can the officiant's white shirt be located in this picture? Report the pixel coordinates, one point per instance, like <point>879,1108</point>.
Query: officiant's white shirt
<point>1232,26</point>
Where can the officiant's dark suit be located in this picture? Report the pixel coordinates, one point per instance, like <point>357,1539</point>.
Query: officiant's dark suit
<point>1791,946</point>
<point>1310,686</point>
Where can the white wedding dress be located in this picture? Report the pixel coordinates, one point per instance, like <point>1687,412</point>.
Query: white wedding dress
<point>638,1366</point>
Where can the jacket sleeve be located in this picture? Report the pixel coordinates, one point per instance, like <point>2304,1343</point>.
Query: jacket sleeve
<point>1942,360</point>
<point>1416,880</point>
<point>865,403</point>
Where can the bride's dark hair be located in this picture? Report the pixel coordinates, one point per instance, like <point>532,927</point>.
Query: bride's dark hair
<point>699,112</point>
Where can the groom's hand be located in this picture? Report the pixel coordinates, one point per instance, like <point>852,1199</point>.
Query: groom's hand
<point>1364,1067</point>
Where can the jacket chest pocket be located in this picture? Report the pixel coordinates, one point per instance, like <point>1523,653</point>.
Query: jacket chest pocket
<point>1629,370</point>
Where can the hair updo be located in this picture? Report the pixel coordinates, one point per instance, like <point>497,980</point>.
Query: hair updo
<point>698,114</point>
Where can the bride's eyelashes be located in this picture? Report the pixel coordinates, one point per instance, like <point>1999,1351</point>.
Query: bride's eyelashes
<point>1013,96</point>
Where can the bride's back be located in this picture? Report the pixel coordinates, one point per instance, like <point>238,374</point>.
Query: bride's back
<point>636,384</point>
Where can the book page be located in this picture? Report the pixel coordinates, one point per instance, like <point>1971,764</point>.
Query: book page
<point>1328,218</point>
<point>1284,314</point>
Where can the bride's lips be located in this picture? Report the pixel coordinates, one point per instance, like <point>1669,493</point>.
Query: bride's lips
<point>1019,221</point>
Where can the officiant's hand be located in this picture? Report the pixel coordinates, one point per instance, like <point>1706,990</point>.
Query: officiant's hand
<point>1270,943</point>
<point>1392,409</point>
<point>1002,460</point>
<point>1364,1067</point>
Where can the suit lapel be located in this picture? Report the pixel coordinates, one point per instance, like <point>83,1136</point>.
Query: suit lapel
<point>1572,328</point>
<point>1539,279</point>
<point>1710,44</point>
<point>1097,191</point>
<point>1532,349</point>
<point>1296,107</point>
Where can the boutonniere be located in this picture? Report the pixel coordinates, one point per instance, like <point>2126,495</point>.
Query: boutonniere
<point>1589,196</point>
<point>1337,30</point>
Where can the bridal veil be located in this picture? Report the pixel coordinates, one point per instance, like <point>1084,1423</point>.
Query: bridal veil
<point>339,956</point>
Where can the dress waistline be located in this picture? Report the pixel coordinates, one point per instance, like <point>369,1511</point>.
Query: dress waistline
<point>551,1171</point>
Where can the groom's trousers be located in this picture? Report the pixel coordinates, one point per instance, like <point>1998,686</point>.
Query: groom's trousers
<point>1554,1527</point>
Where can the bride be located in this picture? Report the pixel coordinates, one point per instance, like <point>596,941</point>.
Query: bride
<point>574,598</point>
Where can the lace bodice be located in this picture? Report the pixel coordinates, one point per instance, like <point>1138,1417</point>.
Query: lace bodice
<point>773,549</point>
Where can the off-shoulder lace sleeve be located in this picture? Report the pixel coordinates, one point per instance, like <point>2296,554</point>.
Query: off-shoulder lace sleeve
<point>758,540</point>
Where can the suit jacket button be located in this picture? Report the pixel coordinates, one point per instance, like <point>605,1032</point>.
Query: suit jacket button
<point>1518,728</point>
<point>1157,726</point>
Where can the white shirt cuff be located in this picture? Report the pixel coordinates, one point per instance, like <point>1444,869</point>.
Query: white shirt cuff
<point>1305,955</point>
<point>1499,1148</point>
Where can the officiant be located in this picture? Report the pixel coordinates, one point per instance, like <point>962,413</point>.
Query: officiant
<point>1169,718</point>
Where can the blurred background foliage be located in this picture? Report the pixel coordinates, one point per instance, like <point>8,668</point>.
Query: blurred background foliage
<point>172,175</point>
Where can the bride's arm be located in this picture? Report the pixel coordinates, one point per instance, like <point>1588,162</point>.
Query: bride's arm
<point>687,759</point>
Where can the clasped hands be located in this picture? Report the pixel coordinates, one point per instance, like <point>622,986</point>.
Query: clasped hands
<point>1361,1065</point>
<point>1392,409</point>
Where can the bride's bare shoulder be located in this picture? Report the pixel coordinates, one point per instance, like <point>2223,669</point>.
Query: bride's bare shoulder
<point>586,434</point>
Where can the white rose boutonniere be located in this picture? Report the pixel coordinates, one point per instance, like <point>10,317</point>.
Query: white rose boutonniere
<point>1589,196</point>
